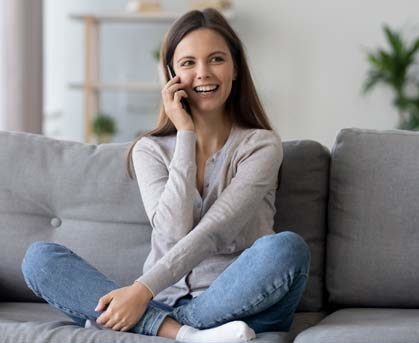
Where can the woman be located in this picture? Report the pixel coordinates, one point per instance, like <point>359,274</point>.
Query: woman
<point>208,176</point>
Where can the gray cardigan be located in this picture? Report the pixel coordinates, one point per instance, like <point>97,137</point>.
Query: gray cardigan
<point>194,239</point>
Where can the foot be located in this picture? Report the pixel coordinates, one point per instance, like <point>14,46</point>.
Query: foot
<point>231,332</point>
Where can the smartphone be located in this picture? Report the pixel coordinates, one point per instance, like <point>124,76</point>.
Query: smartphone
<point>183,101</point>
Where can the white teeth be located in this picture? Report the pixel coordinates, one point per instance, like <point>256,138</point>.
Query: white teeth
<point>206,88</point>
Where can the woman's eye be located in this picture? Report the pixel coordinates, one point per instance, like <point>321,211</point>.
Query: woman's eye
<point>190,62</point>
<point>185,63</point>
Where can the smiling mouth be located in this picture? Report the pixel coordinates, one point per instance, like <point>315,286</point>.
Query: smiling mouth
<point>206,91</point>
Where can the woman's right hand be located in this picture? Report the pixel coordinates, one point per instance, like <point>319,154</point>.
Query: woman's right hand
<point>172,93</point>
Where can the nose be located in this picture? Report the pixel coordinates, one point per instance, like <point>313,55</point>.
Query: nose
<point>203,71</point>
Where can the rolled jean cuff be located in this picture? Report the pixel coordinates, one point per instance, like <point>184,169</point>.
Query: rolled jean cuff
<point>151,321</point>
<point>179,315</point>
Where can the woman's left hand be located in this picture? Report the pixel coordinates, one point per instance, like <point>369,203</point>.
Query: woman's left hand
<point>126,307</point>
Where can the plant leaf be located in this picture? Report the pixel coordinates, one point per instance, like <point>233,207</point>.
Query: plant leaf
<point>373,78</point>
<point>413,49</point>
<point>395,41</point>
<point>375,60</point>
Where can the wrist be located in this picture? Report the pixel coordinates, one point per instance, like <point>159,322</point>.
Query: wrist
<point>186,125</point>
<point>189,128</point>
<point>143,289</point>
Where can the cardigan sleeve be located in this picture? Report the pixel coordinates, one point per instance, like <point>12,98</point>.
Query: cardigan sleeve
<point>167,193</point>
<point>258,161</point>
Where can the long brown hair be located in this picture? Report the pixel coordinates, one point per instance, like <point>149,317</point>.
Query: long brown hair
<point>243,104</point>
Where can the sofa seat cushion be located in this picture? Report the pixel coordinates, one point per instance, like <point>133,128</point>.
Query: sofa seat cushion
<point>40,323</point>
<point>365,325</point>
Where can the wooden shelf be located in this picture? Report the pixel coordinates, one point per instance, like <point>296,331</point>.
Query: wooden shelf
<point>162,16</point>
<point>131,86</point>
<point>92,84</point>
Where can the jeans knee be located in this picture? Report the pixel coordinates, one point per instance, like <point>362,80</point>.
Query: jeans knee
<point>37,256</point>
<point>290,246</point>
<point>298,248</point>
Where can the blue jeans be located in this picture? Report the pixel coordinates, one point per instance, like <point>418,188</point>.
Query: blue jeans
<point>262,287</point>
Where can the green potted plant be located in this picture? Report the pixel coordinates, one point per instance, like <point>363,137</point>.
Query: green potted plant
<point>393,67</point>
<point>104,127</point>
<point>156,57</point>
<point>156,53</point>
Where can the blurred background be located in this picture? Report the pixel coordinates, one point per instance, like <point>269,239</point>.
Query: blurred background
<point>86,70</point>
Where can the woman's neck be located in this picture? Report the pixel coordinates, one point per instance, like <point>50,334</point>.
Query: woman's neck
<point>211,135</point>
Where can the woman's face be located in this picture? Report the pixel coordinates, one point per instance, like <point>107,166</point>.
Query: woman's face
<point>202,58</point>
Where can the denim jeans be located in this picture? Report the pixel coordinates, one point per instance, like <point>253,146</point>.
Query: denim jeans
<point>262,287</point>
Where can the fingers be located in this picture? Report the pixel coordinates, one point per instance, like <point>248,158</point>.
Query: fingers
<point>172,83</point>
<point>169,94</point>
<point>118,326</point>
<point>102,319</point>
<point>103,302</point>
<point>171,88</point>
<point>113,322</point>
<point>174,80</point>
<point>174,87</point>
<point>172,94</point>
<point>107,320</point>
<point>122,326</point>
<point>180,94</point>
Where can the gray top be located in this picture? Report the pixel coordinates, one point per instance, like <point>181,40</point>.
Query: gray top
<point>194,239</point>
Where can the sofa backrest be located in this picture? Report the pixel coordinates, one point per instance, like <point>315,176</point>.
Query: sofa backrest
<point>301,203</point>
<point>79,195</point>
<point>74,194</point>
<point>373,237</point>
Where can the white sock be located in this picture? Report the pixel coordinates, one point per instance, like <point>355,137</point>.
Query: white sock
<point>89,324</point>
<point>231,332</point>
<point>93,325</point>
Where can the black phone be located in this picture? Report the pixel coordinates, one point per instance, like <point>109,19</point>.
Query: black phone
<point>183,101</point>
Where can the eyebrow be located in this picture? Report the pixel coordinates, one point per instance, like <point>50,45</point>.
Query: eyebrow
<point>213,53</point>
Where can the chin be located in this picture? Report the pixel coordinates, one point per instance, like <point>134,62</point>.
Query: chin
<point>210,108</point>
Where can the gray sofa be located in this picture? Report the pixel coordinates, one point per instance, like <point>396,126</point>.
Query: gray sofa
<point>356,206</point>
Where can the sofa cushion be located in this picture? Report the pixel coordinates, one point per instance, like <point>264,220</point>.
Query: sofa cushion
<point>365,325</point>
<point>373,237</point>
<point>301,203</point>
<point>74,194</point>
<point>40,323</point>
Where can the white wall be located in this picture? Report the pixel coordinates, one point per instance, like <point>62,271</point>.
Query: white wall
<point>2,62</point>
<point>307,61</point>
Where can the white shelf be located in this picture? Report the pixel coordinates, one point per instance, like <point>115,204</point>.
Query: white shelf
<point>92,83</point>
<point>133,86</point>
<point>162,16</point>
